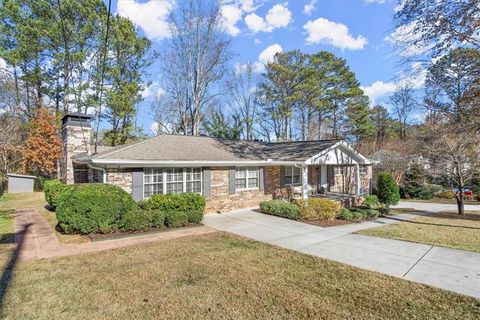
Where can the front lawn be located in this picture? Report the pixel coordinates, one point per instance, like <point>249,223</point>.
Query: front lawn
<point>443,201</point>
<point>446,229</point>
<point>218,276</point>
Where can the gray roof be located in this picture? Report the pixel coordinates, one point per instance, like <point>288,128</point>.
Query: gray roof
<point>194,148</point>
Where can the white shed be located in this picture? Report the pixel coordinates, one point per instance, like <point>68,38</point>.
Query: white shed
<point>20,183</point>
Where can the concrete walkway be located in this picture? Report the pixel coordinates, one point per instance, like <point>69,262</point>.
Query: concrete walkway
<point>38,241</point>
<point>454,270</point>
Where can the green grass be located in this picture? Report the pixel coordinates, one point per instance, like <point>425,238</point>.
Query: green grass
<point>218,276</point>
<point>446,229</point>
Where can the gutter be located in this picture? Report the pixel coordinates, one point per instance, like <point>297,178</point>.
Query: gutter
<point>180,163</point>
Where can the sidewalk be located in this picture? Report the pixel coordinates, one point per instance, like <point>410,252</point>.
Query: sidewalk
<point>39,240</point>
<point>449,269</point>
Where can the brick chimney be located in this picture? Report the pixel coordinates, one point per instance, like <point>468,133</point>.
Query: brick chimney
<point>76,131</point>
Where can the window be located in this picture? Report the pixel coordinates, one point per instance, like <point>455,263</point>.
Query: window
<point>246,178</point>
<point>194,180</point>
<point>171,180</point>
<point>174,180</point>
<point>152,182</point>
<point>293,175</point>
<point>338,170</point>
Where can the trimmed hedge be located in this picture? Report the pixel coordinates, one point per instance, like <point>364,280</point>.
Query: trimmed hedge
<point>281,208</point>
<point>358,214</point>
<point>319,209</point>
<point>193,204</point>
<point>52,189</point>
<point>97,208</point>
<point>176,219</point>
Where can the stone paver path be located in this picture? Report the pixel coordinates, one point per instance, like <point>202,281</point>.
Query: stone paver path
<point>39,240</point>
<point>450,269</point>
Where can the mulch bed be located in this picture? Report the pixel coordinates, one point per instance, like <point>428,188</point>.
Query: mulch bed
<point>120,235</point>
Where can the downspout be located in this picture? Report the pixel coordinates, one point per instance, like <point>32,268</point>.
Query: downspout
<point>104,175</point>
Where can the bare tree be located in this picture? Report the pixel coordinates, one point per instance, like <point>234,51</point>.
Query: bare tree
<point>242,86</point>
<point>404,104</point>
<point>438,26</point>
<point>452,134</point>
<point>195,62</point>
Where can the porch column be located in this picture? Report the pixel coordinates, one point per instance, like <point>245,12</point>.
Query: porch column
<point>305,186</point>
<point>357,179</point>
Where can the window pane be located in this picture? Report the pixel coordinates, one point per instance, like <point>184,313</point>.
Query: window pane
<point>194,186</point>
<point>174,187</point>
<point>252,182</point>
<point>240,183</point>
<point>252,172</point>
<point>240,173</point>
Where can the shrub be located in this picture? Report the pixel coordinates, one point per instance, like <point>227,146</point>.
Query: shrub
<point>193,204</point>
<point>445,194</point>
<point>281,208</point>
<point>133,220</point>
<point>3,184</point>
<point>176,219</point>
<point>477,197</point>
<point>319,209</point>
<point>371,201</point>
<point>52,189</point>
<point>96,208</point>
<point>388,191</point>
<point>39,184</point>
<point>345,214</point>
<point>154,218</point>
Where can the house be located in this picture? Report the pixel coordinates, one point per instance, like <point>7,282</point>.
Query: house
<point>230,173</point>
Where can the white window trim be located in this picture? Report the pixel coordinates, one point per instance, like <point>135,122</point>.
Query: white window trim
<point>164,180</point>
<point>292,175</point>
<point>246,179</point>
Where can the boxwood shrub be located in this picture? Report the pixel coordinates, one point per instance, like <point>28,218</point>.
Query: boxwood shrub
<point>358,213</point>
<point>52,189</point>
<point>281,208</point>
<point>97,208</point>
<point>176,219</point>
<point>192,204</point>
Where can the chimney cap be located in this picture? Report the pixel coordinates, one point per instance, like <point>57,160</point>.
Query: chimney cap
<point>75,118</point>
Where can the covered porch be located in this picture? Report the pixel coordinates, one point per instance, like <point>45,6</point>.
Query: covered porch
<point>338,173</point>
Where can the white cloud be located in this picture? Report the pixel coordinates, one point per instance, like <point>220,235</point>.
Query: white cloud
<point>247,5</point>
<point>155,128</point>
<point>378,89</point>
<point>267,56</point>
<point>279,16</point>
<point>151,16</point>
<point>415,78</point>
<point>257,41</point>
<point>309,7</point>
<point>153,89</point>
<point>231,15</point>
<point>336,34</point>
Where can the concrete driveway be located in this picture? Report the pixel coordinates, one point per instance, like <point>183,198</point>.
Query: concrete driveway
<point>454,270</point>
<point>434,207</point>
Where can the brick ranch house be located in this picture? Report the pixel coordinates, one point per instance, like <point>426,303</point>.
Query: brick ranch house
<point>229,173</point>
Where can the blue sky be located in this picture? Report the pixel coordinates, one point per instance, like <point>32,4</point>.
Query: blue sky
<point>357,30</point>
